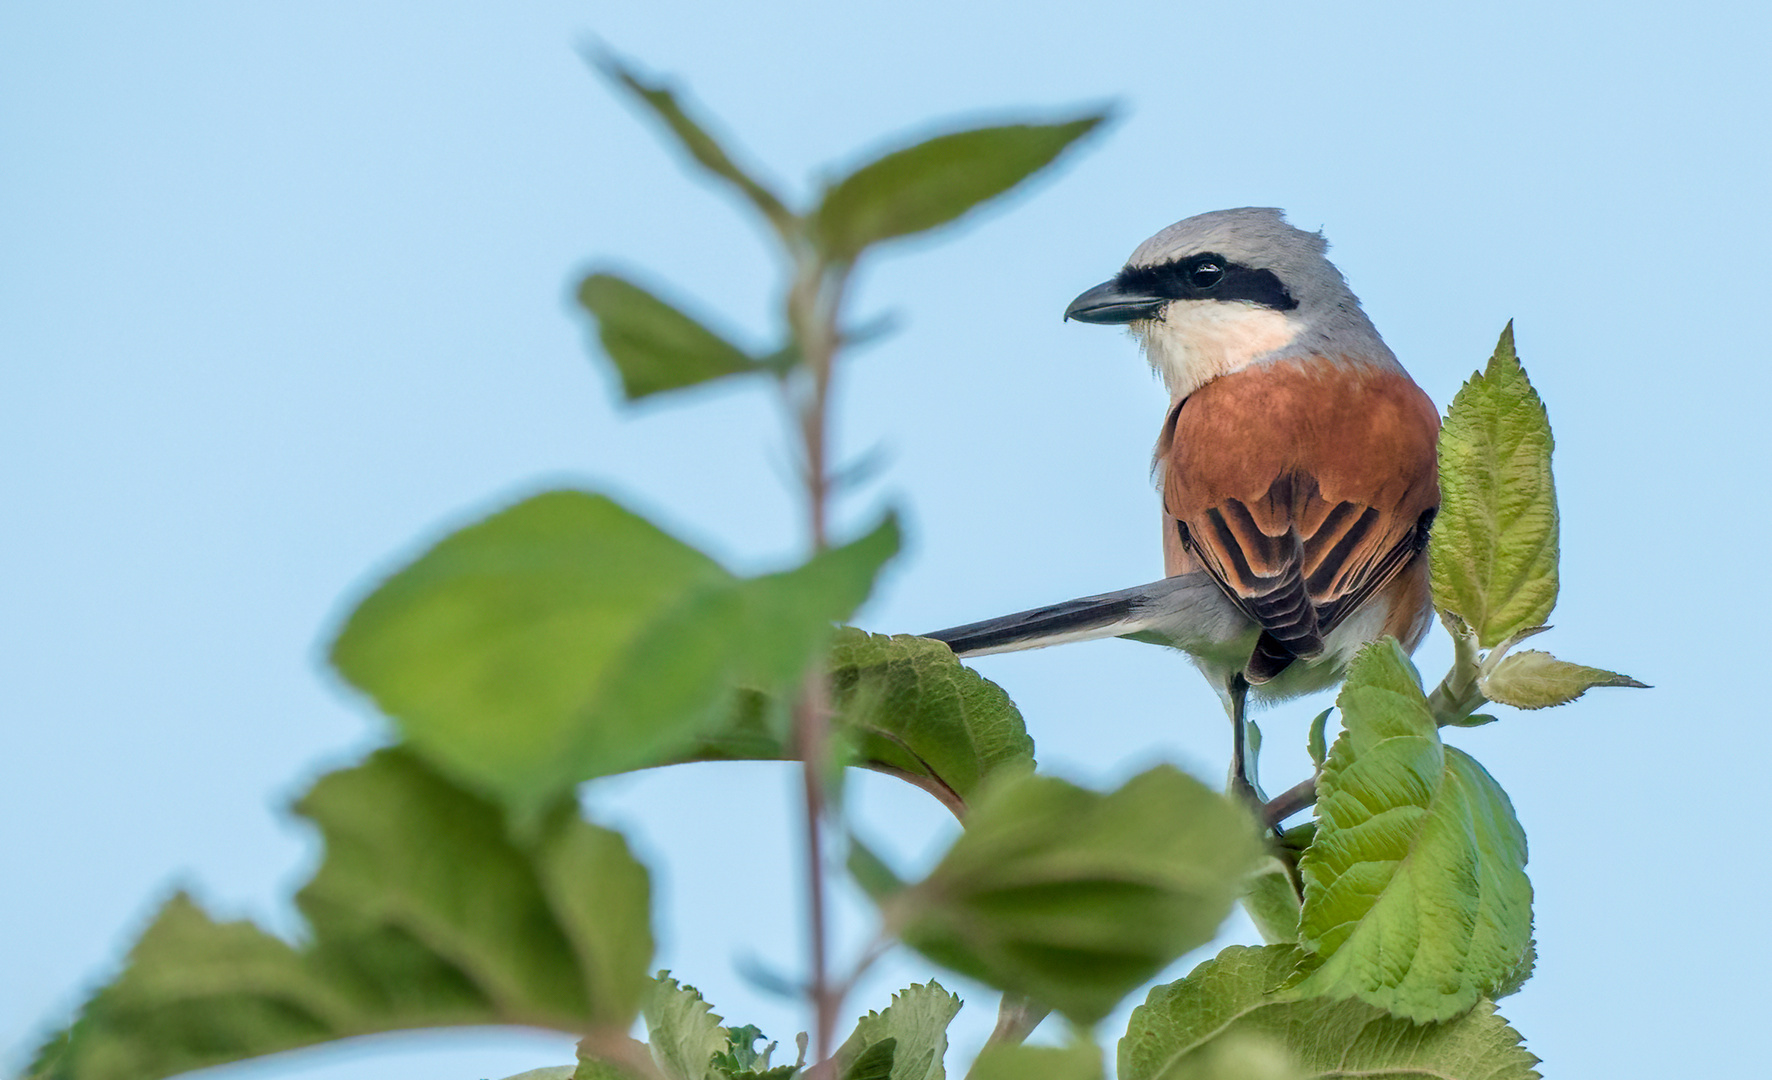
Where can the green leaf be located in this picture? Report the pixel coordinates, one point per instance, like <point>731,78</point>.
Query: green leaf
<point>916,1023</point>
<point>1535,680</point>
<point>740,1055</point>
<point>425,912</point>
<point>490,650</point>
<point>1079,1061</point>
<point>593,1068</point>
<point>654,346</point>
<point>1185,1026</point>
<point>870,872</point>
<point>1415,890</point>
<point>1494,543</point>
<point>904,706</point>
<point>1316,742</point>
<point>683,1031</point>
<point>874,1063</point>
<point>694,138</point>
<point>1074,898</point>
<point>566,638</point>
<point>909,707</point>
<point>930,184</point>
<point>1272,904</point>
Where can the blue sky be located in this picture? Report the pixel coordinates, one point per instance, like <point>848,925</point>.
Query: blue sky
<point>284,294</point>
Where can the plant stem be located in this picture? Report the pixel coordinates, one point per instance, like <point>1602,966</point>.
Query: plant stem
<point>1017,1017</point>
<point>1289,802</point>
<point>809,726</point>
<point>813,304</point>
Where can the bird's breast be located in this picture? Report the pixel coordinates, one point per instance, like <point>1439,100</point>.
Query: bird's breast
<point>1196,341</point>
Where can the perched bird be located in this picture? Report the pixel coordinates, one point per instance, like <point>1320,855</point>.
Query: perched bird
<point>1296,464</point>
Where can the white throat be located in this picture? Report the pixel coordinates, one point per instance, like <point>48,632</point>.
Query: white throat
<point>1195,341</point>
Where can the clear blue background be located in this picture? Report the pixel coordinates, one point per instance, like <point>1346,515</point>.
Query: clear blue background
<point>284,294</point>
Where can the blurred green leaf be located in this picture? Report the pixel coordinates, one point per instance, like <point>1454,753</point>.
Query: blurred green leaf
<point>904,706</point>
<point>930,184</point>
<point>916,1022</point>
<point>1494,543</point>
<point>694,138</point>
<point>1415,890</point>
<point>1079,1061</point>
<point>424,912</point>
<point>556,1072</point>
<point>1073,898</point>
<point>1536,680</point>
<point>654,346</point>
<point>1181,1032</point>
<point>870,872</point>
<point>490,650</point>
<point>566,638</point>
<point>1272,904</point>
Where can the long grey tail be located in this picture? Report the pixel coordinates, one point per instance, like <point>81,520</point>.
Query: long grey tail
<point>1184,611</point>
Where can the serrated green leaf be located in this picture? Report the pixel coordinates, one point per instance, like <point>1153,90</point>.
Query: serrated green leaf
<point>1415,890</point>
<point>694,138</point>
<point>916,1023</point>
<point>424,912</point>
<point>683,1031</point>
<point>566,638</point>
<point>1537,680</point>
<point>654,346</point>
<point>1185,1026</point>
<point>1494,543</point>
<point>935,181</point>
<point>1079,1061</point>
<point>742,1060</point>
<point>1074,898</point>
<point>904,706</point>
<point>741,1054</point>
<point>910,706</point>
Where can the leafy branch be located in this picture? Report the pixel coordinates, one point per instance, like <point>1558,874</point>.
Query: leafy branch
<point>565,638</point>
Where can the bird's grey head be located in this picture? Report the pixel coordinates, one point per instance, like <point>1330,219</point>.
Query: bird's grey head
<point>1220,291</point>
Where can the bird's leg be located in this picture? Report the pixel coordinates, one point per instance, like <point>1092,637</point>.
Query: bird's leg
<point>1241,781</point>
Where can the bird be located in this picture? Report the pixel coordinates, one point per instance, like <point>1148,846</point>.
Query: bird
<point>1296,463</point>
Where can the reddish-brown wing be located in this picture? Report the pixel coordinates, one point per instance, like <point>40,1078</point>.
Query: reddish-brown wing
<point>1303,488</point>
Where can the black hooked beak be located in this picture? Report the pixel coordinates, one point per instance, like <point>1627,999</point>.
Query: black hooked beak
<point>1110,303</point>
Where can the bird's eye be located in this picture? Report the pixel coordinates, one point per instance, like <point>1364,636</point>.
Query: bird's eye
<point>1204,273</point>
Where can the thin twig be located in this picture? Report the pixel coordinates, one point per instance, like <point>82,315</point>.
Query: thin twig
<point>810,724</point>
<point>1289,802</point>
<point>813,303</point>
